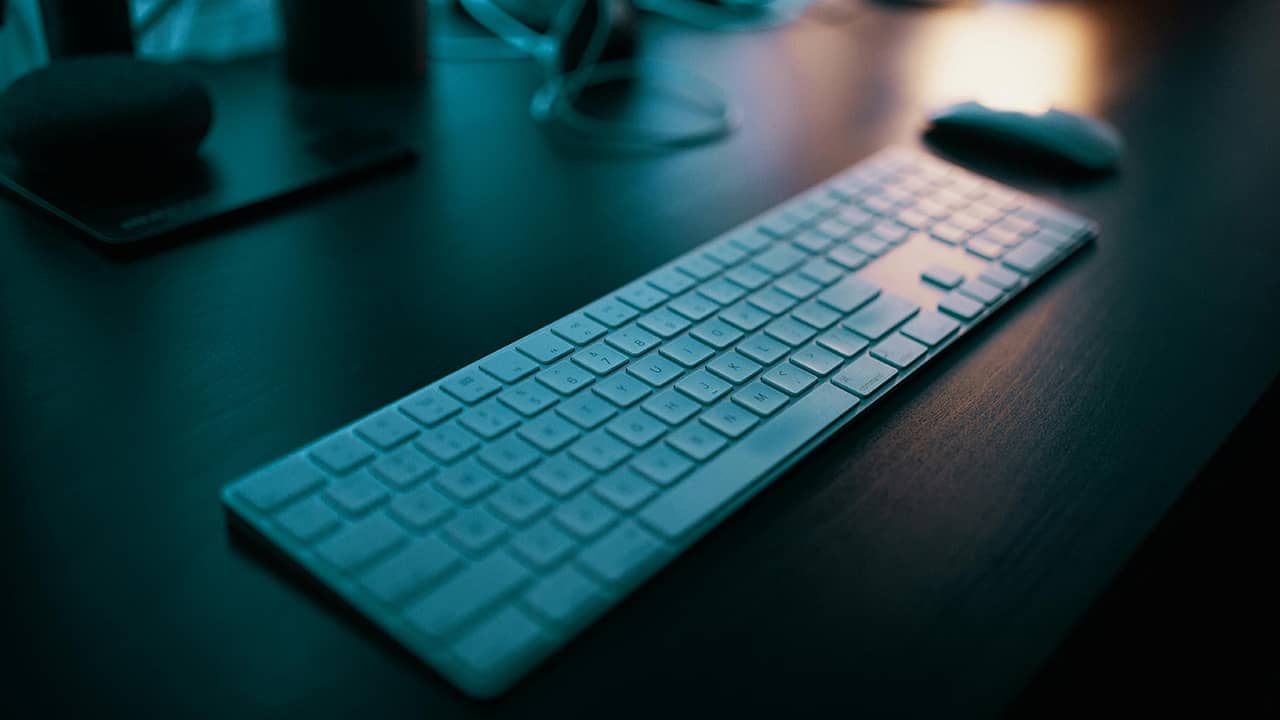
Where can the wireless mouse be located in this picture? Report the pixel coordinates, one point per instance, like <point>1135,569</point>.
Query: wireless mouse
<point>1067,138</point>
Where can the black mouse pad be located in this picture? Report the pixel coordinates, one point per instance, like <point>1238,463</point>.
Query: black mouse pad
<point>269,143</point>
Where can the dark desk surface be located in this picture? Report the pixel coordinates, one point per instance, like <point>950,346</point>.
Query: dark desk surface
<point>931,556</point>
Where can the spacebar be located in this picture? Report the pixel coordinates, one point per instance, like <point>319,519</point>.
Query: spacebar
<point>713,485</point>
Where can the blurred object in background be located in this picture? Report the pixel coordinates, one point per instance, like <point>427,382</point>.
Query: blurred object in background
<point>212,30</point>
<point>22,45</point>
<point>339,42</point>
<point>76,27</point>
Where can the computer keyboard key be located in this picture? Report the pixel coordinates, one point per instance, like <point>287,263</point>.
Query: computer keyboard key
<point>816,242</point>
<point>623,554</point>
<point>356,494</point>
<point>779,259</point>
<point>815,315</point>
<point>544,545</point>
<point>864,376</point>
<point>777,225</point>
<point>701,267</point>
<point>985,249</point>
<point>848,257</point>
<point>549,432</point>
<point>729,419</point>
<point>529,397</point>
<point>981,291</point>
<point>948,233</point>
<point>421,508</point>
<point>967,222</point>
<point>708,490</point>
<point>578,329</point>
<point>470,386</point>
<point>1053,238</point>
<point>693,306</point>
<point>519,502</point>
<point>564,596</point>
<point>763,348</point>
<point>503,644</point>
<point>749,277</point>
<point>600,359</point>
<point>341,453</point>
<point>642,296</point>
<point>942,276</point>
<point>664,323</point>
<point>789,379</point>
<point>772,301</point>
<point>489,419</point>
<point>308,519</point>
<point>733,367</point>
<point>930,327</point>
<point>467,481</point>
<point>760,398</point>
<point>565,377</point>
<point>703,387</point>
<point>624,489</point>
<point>722,292</point>
<point>898,350</point>
<point>716,333</point>
<point>545,346</point>
<point>633,340</point>
<point>961,306</point>
<point>475,530</point>
<point>610,312</point>
<point>849,294</point>
<point>671,407</point>
<point>821,271</point>
<point>359,544</point>
<point>687,351</point>
<point>508,365</point>
<point>1000,277</point>
<point>561,475</point>
<point>661,464</point>
<point>430,407</point>
<point>1003,236</point>
<point>636,427</point>
<point>600,451</point>
<point>274,487</point>
<point>790,331</point>
<point>842,340</point>
<point>881,315</point>
<point>403,468</point>
<point>387,429</point>
<point>745,316</point>
<point>869,245</point>
<point>797,286</point>
<point>726,252</point>
<point>410,570</point>
<point>584,516</point>
<point>447,443</point>
<point>466,595</point>
<point>655,369</point>
<point>816,359</point>
<point>509,456</point>
<point>1030,258</point>
<point>697,441</point>
<point>622,389</point>
<point>587,410</point>
<point>671,281</point>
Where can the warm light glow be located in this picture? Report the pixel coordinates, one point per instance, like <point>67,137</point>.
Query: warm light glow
<point>1008,55</point>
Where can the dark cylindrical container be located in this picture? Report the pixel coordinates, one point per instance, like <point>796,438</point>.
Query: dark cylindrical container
<point>340,42</point>
<point>87,27</point>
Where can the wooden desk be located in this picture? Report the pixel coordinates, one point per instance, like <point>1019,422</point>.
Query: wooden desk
<point>928,559</point>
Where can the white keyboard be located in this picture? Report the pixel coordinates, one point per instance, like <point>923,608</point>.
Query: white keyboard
<point>485,519</point>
